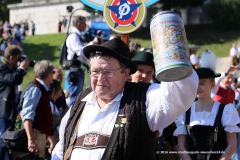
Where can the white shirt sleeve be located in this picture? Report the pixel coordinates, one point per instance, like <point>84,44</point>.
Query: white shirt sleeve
<point>194,60</point>
<point>217,83</point>
<point>165,103</point>
<point>57,153</point>
<point>230,119</point>
<point>75,46</point>
<point>233,52</point>
<point>237,96</point>
<point>181,127</point>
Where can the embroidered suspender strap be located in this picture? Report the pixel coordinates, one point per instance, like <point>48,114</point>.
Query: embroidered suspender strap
<point>217,123</point>
<point>92,140</point>
<point>75,115</point>
<point>72,141</point>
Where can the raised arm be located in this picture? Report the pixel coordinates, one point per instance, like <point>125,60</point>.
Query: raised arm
<point>167,102</point>
<point>218,80</point>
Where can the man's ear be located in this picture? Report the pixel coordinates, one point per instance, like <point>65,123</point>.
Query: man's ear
<point>11,57</point>
<point>127,73</point>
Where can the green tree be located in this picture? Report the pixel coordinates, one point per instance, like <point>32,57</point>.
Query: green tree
<point>224,13</point>
<point>4,11</point>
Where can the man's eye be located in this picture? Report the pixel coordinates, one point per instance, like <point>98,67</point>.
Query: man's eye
<point>106,72</point>
<point>94,72</point>
<point>149,73</point>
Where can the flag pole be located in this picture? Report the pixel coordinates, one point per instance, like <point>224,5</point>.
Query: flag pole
<point>125,38</point>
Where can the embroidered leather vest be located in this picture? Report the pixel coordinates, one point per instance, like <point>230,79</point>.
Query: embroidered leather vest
<point>134,140</point>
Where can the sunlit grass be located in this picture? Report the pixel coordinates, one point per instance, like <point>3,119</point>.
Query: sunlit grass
<point>41,47</point>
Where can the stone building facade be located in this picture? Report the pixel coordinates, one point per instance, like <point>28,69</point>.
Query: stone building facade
<point>44,13</point>
<point>47,13</point>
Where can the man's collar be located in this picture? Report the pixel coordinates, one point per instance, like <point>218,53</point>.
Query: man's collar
<point>42,83</point>
<point>76,31</point>
<point>91,99</point>
<point>4,61</point>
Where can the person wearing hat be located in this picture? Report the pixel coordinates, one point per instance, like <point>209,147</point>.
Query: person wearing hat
<point>116,119</point>
<point>145,65</point>
<point>222,91</point>
<point>207,125</point>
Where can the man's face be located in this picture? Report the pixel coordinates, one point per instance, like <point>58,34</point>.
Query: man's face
<point>58,74</point>
<point>227,81</point>
<point>143,74</point>
<point>49,78</point>
<point>107,88</point>
<point>13,61</point>
<point>82,25</point>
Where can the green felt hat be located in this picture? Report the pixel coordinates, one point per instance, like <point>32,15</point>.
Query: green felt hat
<point>143,57</point>
<point>206,73</point>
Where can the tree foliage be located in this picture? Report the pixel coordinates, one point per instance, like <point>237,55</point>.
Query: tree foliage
<point>177,4</point>
<point>224,13</point>
<point>4,11</point>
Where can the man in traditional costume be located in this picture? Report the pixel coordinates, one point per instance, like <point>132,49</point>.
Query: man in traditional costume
<point>116,119</point>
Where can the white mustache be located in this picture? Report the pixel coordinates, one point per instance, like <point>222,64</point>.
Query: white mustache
<point>101,85</point>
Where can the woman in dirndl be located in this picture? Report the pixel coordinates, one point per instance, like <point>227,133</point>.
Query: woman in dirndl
<point>207,131</point>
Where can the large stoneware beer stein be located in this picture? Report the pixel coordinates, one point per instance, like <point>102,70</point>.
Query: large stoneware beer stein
<point>170,48</point>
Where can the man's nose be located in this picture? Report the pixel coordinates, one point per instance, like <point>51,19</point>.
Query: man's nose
<point>144,75</point>
<point>101,77</point>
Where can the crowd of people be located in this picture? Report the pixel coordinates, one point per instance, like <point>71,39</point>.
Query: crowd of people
<point>125,113</point>
<point>14,34</point>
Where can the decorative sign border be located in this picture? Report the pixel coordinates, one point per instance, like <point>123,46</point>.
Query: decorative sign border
<point>91,4</point>
<point>134,18</point>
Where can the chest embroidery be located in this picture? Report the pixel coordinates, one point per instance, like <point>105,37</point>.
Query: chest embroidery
<point>90,139</point>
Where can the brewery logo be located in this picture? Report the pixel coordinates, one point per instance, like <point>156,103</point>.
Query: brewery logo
<point>124,16</point>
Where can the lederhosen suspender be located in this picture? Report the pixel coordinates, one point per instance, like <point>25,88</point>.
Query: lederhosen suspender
<point>217,123</point>
<point>119,124</point>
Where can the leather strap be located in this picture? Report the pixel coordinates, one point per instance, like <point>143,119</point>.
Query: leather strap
<point>217,123</point>
<point>72,141</point>
<point>188,115</point>
<point>92,140</point>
